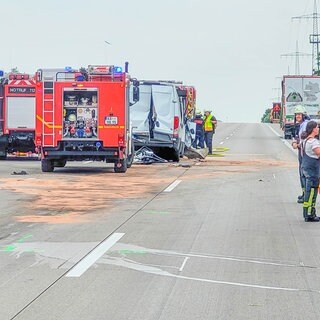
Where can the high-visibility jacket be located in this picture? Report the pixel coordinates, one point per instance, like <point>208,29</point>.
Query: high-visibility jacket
<point>208,125</point>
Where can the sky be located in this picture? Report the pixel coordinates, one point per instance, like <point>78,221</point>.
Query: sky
<point>234,52</point>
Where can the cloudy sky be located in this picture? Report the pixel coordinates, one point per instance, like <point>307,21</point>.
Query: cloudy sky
<point>229,50</point>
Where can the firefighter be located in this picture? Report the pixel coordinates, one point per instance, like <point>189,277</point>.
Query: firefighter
<point>310,150</point>
<point>210,123</point>
<point>199,139</point>
<point>300,122</point>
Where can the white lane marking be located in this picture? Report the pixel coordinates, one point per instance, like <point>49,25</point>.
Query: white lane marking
<point>172,186</point>
<point>221,142</point>
<point>274,176</point>
<point>227,138</point>
<point>94,255</point>
<point>286,143</point>
<point>274,131</point>
<point>157,271</point>
<point>184,263</point>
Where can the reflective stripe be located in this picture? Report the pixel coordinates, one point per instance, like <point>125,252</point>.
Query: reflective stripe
<point>308,204</point>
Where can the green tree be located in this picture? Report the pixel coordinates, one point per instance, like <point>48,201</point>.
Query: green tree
<point>266,117</point>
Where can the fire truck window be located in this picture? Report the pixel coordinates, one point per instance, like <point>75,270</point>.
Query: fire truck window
<point>80,114</point>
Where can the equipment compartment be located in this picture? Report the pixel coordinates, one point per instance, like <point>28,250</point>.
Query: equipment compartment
<point>80,110</point>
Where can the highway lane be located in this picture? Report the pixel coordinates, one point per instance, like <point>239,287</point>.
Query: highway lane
<point>226,241</point>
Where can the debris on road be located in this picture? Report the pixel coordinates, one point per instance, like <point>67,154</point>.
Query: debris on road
<point>146,156</point>
<point>19,173</point>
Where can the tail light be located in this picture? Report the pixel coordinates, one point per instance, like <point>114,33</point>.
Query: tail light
<point>175,126</point>
<point>121,142</point>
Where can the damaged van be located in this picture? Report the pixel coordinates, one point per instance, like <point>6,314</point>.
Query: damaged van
<point>160,118</point>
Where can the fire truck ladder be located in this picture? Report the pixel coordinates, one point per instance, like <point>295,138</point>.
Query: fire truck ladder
<point>48,112</point>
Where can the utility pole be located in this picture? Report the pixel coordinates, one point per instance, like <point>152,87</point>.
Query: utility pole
<point>296,54</point>
<point>314,38</point>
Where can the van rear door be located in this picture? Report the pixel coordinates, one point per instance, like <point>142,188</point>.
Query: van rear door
<point>139,112</point>
<point>165,103</point>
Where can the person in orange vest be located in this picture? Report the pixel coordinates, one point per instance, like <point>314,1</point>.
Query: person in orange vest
<point>210,124</point>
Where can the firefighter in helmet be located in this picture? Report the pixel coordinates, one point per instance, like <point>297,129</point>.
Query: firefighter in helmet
<point>199,139</point>
<point>300,122</point>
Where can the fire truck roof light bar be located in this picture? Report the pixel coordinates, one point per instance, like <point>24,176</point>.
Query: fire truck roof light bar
<point>104,69</point>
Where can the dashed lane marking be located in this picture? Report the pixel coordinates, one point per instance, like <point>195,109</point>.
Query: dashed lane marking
<point>172,186</point>
<point>94,255</point>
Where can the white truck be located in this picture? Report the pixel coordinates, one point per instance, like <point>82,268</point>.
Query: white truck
<point>299,90</point>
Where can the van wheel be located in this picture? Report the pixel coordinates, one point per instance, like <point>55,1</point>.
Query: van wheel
<point>47,165</point>
<point>130,158</point>
<point>121,166</point>
<point>182,149</point>
<point>176,155</point>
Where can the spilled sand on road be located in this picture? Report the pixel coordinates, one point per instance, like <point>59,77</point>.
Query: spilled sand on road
<point>68,198</point>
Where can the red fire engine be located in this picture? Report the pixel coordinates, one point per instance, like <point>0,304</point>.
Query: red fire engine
<point>17,114</point>
<point>84,115</point>
<point>189,95</point>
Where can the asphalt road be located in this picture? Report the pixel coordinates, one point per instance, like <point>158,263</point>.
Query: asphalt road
<point>222,238</point>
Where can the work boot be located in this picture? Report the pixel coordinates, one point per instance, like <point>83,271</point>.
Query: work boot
<point>300,198</point>
<point>312,219</point>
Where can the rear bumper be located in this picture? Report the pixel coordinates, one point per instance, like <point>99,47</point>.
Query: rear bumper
<point>83,150</point>
<point>167,142</point>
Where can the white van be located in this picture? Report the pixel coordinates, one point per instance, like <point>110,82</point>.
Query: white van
<point>158,119</point>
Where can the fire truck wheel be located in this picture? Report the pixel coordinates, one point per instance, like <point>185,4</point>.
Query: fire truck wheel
<point>121,166</point>
<point>47,165</point>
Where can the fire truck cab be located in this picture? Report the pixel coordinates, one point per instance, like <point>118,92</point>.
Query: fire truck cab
<point>83,115</point>
<point>17,114</point>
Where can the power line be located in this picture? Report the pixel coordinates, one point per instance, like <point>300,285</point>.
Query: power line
<point>296,54</point>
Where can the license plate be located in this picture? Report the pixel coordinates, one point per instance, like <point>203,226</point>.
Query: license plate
<point>111,120</point>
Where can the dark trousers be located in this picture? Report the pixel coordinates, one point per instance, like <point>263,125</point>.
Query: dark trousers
<point>199,140</point>
<point>208,137</point>
<point>302,179</point>
<point>311,182</point>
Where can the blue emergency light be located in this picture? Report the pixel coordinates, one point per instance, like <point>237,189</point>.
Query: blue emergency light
<point>117,69</point>
<point>68,69</point>
<point>1,73</point>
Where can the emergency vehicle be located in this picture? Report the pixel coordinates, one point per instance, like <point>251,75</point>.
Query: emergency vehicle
<point>17,114</point>
<point>84,115</point>
<point>298,90</point>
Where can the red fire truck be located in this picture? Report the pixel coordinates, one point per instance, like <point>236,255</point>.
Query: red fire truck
<point>84,115</point>
<point>17,114</point>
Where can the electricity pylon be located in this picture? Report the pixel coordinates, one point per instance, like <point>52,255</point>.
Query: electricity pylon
<point>296,54</point>
<point>314,38</point>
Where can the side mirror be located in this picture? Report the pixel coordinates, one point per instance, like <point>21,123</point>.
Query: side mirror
<point>136,93</point>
